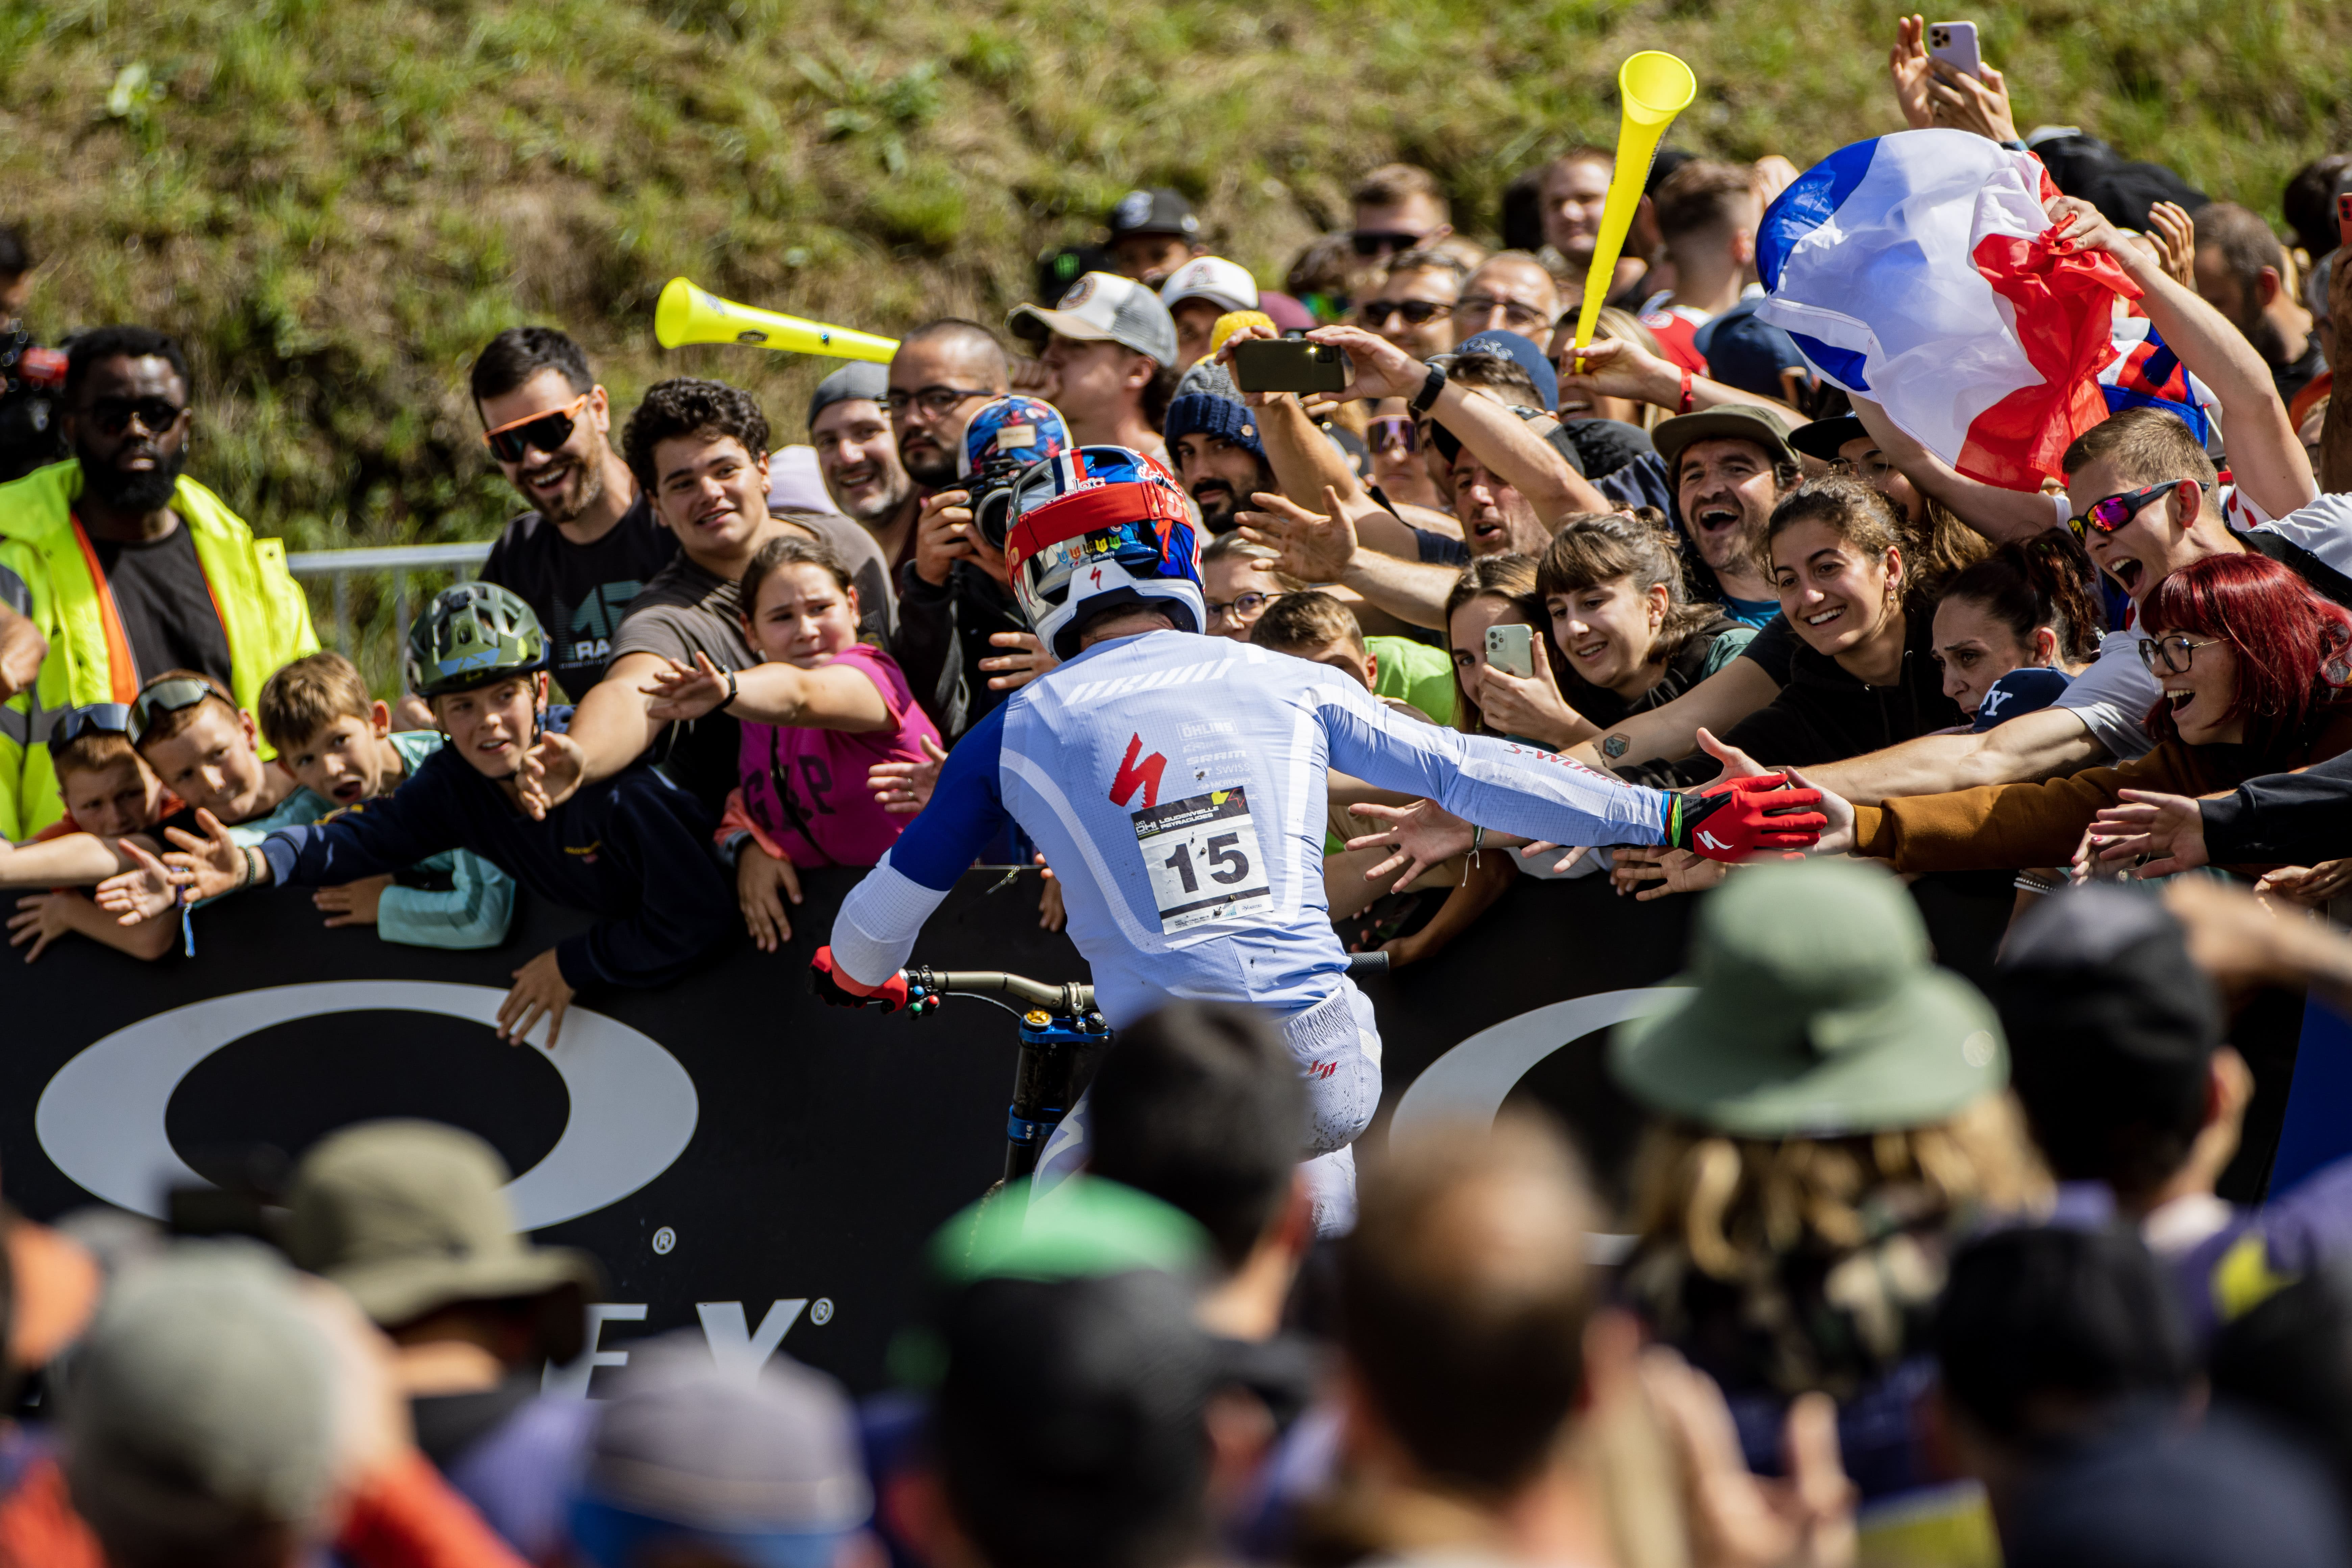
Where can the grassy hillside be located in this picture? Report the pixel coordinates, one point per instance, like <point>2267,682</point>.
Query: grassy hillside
<point>335,202</point>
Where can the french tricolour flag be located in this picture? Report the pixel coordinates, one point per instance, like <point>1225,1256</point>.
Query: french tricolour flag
<point>1917,270</point>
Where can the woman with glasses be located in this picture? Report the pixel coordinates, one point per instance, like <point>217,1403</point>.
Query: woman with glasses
<point>2253,667</point>
<point>1395,439</point>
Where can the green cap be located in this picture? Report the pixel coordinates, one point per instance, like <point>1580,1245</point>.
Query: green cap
<point>1085,1227</point>
<point>1816,1011</point>
<point>412,1216</point>
<point>473,635</point>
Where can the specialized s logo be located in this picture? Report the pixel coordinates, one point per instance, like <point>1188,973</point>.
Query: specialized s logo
<point>1711,841</point>
<point>1131,774</point>
<point>1096,575</point>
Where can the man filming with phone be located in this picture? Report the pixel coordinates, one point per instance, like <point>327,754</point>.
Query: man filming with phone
<point>1176,784</point>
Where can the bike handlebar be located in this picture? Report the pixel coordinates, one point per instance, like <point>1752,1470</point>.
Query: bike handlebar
<point>1071,999</point>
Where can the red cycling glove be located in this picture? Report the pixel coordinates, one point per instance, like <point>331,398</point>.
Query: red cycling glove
<point>824,982</point>
<point>1733,819</point>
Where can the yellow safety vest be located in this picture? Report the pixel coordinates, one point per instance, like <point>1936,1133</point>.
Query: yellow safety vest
<point>48,572</point>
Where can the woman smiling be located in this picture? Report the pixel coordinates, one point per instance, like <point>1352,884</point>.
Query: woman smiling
<point>1623,637</point>
<point>1864,673</point>
<point>2253,667</point>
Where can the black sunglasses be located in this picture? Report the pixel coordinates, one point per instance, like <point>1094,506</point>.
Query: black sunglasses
<point>1416,312</point>
<point>114,415</point>
<point>165,697</point>
<point>1371,242</point>
<point>93,718</point>
<point>511,442</point>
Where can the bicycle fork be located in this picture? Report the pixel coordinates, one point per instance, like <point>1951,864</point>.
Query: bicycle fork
<point>1044,1083</point>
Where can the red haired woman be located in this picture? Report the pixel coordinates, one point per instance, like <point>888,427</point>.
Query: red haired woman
<point>2254,666</point>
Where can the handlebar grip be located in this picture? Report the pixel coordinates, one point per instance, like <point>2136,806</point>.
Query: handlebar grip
<point>1373,962</point>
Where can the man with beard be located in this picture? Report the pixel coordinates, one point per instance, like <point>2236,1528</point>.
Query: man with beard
<point>589,541</point>
<point>1214,437</point>
<point>1729,463</point>
<point>857,454</point>
<point>128,567</point>
<point>955,599</point>
<point>2241,271</point>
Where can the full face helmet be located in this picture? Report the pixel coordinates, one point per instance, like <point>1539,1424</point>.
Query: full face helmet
<point>1005,437</point>
<point>1097,528</point>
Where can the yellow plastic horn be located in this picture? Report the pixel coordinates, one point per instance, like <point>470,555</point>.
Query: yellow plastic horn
<point>686,314</point>
<point>1652,87</point>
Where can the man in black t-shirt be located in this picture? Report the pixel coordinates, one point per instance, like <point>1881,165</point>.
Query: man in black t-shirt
<point>590,542</point>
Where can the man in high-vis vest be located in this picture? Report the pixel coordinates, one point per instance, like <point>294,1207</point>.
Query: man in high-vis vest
<point>128,567</point>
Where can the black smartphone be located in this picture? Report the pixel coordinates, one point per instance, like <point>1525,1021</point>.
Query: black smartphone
<point>1290,364</point>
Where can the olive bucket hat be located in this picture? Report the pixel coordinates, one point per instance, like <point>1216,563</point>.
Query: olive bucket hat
<point>1815,1011</point>
<point>411,1216</point>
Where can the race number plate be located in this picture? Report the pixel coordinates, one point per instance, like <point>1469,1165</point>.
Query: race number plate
<point>1202,857</point>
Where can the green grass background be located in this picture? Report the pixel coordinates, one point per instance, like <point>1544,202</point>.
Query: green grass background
<point>335,202</point>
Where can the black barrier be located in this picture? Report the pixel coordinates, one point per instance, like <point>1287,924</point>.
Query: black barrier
<point>736,1154</point>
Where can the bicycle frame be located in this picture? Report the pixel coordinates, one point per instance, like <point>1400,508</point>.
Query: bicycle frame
<point>1058,1026</point>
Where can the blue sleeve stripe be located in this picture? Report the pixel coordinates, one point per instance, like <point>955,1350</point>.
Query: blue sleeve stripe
<point>964,812</point>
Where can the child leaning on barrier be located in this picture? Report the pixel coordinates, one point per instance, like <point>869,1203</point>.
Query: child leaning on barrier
<point>635,850</point>
<point>340,743</point>
<point>818,712</point>
<point>202,752</point>
<point>108,794</point>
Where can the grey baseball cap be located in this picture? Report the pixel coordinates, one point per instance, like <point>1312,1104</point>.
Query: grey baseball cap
<point>201,1401</point>
<point>1103,307</point>
<point>858,379</point>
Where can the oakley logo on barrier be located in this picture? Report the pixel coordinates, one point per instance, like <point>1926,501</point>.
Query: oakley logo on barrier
<point>634,1110</point>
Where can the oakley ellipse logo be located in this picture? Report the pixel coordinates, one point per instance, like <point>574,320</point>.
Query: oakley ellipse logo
<point>101,1117</point>
<point>1472,1080</point>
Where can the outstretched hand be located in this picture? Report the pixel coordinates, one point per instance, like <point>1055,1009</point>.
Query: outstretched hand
<point>1612,367</point>
<point>684,692</point>
<point>148,889</point>
<point>2168,827</point>
<point>1010,671</point>
<point>1313,547</point>
<point>552,772</point>
<point>208,867</point>
<point>902,788</point>
<point>1419,836</point>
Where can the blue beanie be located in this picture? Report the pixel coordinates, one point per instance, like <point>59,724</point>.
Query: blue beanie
<point>1207,403</point>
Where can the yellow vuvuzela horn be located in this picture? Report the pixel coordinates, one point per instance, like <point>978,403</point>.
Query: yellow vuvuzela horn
<point>1653,88</point>
<point>686,314</point>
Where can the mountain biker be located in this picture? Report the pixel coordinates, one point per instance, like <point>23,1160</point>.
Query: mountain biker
<point>1176,782</point>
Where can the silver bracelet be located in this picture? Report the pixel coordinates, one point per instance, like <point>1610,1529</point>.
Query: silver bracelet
<point>2027,882</point>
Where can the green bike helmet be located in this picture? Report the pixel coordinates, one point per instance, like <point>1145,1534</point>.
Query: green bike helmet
<point>471,635</point>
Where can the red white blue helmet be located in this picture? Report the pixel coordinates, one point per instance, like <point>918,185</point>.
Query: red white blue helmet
<point>1006,436</point>
<point>1096,528</point>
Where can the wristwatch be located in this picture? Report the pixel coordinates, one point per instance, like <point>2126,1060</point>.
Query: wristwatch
<point>1426,398</point>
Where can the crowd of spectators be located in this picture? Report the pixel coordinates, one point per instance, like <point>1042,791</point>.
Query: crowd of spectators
<point>1908,1267</point>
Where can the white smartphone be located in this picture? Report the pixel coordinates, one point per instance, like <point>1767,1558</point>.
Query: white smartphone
<point>1512,650</point>
<point>1955,43</point>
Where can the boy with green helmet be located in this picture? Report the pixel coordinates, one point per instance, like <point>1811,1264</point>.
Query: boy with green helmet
<point>471,635</point>
<point>635,850</point>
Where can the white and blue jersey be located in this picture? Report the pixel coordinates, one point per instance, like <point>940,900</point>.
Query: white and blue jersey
<point>1176,784</point>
